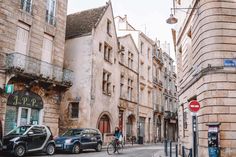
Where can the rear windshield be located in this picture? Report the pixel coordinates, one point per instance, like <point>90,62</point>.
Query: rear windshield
<point>72,132</point>
<point>20,130</point>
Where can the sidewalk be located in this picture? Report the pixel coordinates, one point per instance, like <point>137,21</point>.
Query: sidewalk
<point>128,145</point>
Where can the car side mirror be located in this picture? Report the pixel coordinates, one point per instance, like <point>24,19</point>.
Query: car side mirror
<point>30,133</point>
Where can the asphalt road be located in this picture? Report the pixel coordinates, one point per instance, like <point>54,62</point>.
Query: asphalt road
<point>136,151</point>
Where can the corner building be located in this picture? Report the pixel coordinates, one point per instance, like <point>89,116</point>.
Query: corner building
<point>31,61</point>
<point>205,44</point>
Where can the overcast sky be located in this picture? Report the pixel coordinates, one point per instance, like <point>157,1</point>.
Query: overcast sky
<point>148,16</point>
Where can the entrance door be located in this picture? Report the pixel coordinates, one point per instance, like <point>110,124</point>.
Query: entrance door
<point>27,116</point>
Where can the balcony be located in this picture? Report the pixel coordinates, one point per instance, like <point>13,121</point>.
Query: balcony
<point>156,55</point>
<point>26,5</point>
<point>37,69</point>
<point>155,81</point>
<point>160,83</point>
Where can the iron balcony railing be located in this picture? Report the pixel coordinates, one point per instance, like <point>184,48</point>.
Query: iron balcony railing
<point>50,18</point>
<point>26,5</point>
<point>35,67</point>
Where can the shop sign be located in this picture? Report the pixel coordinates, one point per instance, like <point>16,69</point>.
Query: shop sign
<point>230,62</point>
<point>25,99</point>
<point>9,88</point>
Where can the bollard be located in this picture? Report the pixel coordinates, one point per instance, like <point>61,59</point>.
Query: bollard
<point>183,153</point>
<point>170,148</point>
<point>165,144</point>
<point>190,152</point>
<point>176,150</point>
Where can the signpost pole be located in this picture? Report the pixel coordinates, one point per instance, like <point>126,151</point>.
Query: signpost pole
<point>194,122</point>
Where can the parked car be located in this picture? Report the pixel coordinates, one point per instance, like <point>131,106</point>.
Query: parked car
<point>29,138</point>
<point>75,140</point>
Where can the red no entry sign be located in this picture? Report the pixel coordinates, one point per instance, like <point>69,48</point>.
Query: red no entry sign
<point>194,106</point>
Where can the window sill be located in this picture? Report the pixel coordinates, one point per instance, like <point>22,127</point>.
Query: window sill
<point>73,119</point>
<point>26,17</point>
<point>107,60</point>
<point>107,94</point>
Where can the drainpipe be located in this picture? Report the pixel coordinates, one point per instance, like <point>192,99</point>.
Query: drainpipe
<point>138,94</point>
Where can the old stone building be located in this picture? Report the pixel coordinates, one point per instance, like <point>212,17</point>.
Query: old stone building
<point>145,47</point>
<point>128,106</point>
<point>205,42</point>
<point>31,61</point>
<point>91,51</point>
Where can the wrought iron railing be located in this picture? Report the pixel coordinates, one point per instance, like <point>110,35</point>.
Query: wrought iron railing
<point>26,5</point>
<point>50,19</point>
<point>35,67</point>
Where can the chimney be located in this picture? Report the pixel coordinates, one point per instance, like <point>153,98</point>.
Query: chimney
<point>125,17</point>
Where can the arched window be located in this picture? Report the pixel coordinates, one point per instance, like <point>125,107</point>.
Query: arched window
<point>104,124</point>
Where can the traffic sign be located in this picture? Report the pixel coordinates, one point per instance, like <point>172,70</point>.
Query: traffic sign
<point>194,106</point>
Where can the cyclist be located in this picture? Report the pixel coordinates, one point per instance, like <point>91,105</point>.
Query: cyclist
<point>117,136</point>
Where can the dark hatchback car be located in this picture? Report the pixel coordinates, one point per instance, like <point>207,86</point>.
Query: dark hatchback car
<point>75,140</point>
<point>29,138</point>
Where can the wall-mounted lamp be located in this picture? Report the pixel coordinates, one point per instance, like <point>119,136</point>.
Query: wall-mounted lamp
<point>174,20</point>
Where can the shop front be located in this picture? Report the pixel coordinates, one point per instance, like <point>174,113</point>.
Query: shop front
<point>23,108</point>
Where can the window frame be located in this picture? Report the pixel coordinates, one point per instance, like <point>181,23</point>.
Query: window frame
<point>71,110</point>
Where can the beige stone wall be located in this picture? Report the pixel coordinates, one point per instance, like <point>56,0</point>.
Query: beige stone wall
<point>11,15</point>
<point>200,65</point>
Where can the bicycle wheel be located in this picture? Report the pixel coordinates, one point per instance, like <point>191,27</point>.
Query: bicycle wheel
<point>110,149</point>
<point>120,147</point>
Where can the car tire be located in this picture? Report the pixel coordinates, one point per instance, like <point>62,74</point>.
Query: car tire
<point>19,151</point>
<point>99,147</point>
<point>76,149</point>
<point>50,150</point>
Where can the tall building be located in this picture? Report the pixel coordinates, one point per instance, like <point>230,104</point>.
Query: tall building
<point>91,51</point>
<point>32,77</point>
<point>129,70</point>
<point>205,42</point>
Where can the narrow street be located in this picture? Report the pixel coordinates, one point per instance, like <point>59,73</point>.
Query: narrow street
<point>135,151</point>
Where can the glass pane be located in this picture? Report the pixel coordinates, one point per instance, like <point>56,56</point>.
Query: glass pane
<point>11,119</point>
<point>34,118</point>
<point>24,116</point>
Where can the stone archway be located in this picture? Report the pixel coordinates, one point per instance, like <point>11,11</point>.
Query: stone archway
<point>104,124</point>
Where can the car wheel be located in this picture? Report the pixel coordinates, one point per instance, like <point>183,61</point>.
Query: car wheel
<point>50,150</point>
<point>99,147</point>
<point>19,151</point>
<point>76,149</point>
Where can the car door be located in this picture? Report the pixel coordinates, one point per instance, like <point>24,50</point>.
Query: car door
<point>93,138</point>
<point>38,138</point>
<point>85,139</point>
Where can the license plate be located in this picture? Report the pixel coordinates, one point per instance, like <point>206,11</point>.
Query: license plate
<point>4,147</point>
<point>58,145</point>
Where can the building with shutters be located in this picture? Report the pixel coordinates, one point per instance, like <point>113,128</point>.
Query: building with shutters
<point>31,59</point>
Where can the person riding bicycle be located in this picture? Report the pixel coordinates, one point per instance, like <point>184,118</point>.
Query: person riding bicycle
<point>118,136</point>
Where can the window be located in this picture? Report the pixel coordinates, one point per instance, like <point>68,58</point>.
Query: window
<point>130,89</point>
<point>22,38</point>
<point>149,73</point>
<point>130,60</point>
<point>26,5</point>
<point>51,12</point>
<point>107,52</point>
<point>74,110</point>
<point>47,48</point>
<point>106,86</point>
<point>109,27</point>
<point>142,69</point>
<point>121,85</point>
<point>100,47</point>
<point>141,47</point>
<point>148,53</point>
<point>149,98</point>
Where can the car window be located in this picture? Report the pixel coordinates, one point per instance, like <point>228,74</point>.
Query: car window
<point>86,131</point>
<point>19,130</point>
<point>92,131</point>
<point>77,132</point>
<point>68,133</point>
<point>38,130</point>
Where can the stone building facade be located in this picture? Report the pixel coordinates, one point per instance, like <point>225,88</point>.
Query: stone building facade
<point>31,60</point>
<point>91,51</point>
<point>129,70</point>
<point>206,72</point>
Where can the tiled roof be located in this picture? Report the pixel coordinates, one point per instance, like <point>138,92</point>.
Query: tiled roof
<point>82,23</point>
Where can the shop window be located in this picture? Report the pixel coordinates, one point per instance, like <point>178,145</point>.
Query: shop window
<point>74,110</point>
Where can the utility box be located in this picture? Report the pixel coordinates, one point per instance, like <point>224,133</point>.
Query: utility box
<point>213,139</point>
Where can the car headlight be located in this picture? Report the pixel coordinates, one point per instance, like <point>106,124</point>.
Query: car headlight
<point>68,141</point>
<point>14,139</point>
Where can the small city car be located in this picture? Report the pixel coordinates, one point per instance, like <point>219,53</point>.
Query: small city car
<point>75,140</point>
<point>29,138</point>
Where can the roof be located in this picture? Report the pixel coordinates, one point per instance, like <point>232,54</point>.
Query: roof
<point>82,23</point>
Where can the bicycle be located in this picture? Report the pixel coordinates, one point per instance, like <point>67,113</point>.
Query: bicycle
<point>115,146</point>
